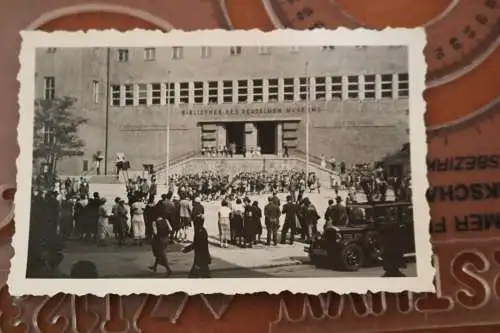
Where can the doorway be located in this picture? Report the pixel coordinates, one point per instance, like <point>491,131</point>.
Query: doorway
<point>266,137</point>
<point>235,135</point>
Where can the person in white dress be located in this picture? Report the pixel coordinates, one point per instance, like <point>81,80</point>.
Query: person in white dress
<point>223,221</point>
<point>102,223</point>
<point>137,219</point>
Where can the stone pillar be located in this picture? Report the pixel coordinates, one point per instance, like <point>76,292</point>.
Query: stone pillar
<point>279,137</point>
<point>221,135</point>
<point>250,135</point>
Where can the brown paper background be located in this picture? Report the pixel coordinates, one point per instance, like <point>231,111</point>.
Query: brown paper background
<point>448,102</point>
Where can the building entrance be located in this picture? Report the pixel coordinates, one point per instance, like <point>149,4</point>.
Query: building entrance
<point>267,137</point>
<point>235,135</point>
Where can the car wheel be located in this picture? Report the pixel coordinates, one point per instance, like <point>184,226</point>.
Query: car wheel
<point>351,257</point>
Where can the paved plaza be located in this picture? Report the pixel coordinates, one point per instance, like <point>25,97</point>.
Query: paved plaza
<point>260,261</point>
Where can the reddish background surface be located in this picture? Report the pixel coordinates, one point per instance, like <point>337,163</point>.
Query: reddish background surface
<point>445,103</point>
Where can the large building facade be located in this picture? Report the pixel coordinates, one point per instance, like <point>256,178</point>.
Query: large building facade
<point>353,100</point>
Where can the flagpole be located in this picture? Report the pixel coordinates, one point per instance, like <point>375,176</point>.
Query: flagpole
<point>107,101</point>
<point>167,139</point>
<point>307,116</point>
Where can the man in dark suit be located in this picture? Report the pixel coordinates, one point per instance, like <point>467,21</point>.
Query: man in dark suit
<point>272,214</point>
<point>290,210</point>
<point>167,210</point>
<point>336,213</point>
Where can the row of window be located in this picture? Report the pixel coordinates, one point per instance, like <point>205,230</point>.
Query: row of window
<point>123,54</point>
<point>350,87</point>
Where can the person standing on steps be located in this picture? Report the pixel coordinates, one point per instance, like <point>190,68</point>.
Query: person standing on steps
<point>120,160</point>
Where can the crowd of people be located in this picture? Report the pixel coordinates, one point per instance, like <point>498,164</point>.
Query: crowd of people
<point>208,185</point>
<point>67,210</point>
<point>142,219</point>
<point>373,181</point>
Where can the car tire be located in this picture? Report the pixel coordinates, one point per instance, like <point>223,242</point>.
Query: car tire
<point>351,257</point>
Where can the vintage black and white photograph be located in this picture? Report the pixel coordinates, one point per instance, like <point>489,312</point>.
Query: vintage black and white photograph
<point>204,158</point>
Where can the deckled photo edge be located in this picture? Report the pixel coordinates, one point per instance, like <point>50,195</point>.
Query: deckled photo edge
<point>415,39</point>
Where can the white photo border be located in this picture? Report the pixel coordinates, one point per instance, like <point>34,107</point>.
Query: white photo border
<point>414,39</point>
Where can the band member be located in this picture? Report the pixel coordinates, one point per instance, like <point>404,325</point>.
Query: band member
<point>160,239</point>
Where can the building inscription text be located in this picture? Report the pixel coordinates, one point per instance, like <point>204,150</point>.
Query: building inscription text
<point>246,111</point>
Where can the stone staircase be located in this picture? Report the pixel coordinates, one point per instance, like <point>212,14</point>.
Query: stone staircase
<point>235,165</point>
<point>195,163</point>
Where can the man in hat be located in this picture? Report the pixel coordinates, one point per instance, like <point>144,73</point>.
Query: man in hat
<point>272,214</point>
<point>290,210</point>
<point>311,218</point>
<point>166,209</point>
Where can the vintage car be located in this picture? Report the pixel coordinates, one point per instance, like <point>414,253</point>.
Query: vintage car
<point>360,242</point>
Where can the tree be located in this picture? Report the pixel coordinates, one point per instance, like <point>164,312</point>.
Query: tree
<point>55,131</point>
